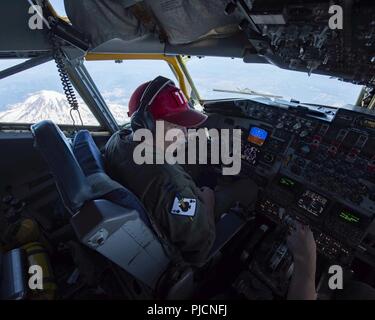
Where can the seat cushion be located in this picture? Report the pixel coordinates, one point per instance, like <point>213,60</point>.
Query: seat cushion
<point>87,153</point>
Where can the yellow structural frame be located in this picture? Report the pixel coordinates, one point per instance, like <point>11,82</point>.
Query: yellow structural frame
<point>172,61</point>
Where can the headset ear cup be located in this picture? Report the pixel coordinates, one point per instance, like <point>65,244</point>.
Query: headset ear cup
<point>137,121</point>
<point>142,118</point>
<point>149,121</point>
<point>145,121</point>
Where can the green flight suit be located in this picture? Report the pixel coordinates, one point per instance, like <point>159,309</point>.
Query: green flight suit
<point>158,185</point>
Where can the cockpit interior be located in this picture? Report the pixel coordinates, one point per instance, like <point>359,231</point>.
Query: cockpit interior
<point>313,163</point>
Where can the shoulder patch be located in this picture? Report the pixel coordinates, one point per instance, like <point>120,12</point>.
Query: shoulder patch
<point>184,206</point>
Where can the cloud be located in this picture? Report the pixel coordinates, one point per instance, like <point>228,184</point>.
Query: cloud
<point>115,94</point>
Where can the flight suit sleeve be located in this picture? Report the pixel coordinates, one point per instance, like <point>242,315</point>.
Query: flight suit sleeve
<point>192,231</point>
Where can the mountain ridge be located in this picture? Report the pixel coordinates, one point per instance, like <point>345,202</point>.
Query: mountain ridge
<point>53,105</point>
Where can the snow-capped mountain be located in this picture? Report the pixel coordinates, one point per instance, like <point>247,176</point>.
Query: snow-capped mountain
<point>52,105</point>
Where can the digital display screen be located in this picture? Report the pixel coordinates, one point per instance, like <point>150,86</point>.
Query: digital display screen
<point>257,136</point>
<point>349,217</point>
<point>368,123</point>
<point>313,203</point>
<point>287,183</point>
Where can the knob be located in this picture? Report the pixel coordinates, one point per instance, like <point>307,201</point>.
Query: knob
<point>269,158</point>
<point>100,241</point>
<point>297,126</point>
<point>305,149</point>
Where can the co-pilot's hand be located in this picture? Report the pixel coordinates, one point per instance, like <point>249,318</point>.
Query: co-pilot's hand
<point>303,247</point>
<point>302,244</point>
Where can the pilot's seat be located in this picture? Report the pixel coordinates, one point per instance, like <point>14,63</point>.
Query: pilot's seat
<point>109,218</point>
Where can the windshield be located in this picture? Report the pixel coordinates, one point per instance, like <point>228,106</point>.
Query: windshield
<point>217,78</point>
<point>36,94</point>
<point>118,81</point>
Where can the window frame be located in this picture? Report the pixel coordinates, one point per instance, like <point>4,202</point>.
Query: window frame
<point>175,63</point>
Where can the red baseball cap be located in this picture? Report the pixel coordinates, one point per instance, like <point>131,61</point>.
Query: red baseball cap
<point>170,105</point>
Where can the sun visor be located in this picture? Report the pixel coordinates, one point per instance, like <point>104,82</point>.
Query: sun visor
<point>183,21</point>
<point>102,21</point>
<point>187,21</point>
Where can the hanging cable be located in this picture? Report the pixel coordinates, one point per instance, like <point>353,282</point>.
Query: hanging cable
<point>66,83</point>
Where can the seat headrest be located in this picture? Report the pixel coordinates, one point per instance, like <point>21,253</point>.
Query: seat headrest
<point>69,177</point>
<point>87,153</point>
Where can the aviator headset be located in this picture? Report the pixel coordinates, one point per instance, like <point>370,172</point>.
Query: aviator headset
<point>142,118</point>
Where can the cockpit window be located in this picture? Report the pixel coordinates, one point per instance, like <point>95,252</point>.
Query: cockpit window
<point>118,80</point>
<point>36,94</point>
<point>217,78</point>
<point>59,7</point>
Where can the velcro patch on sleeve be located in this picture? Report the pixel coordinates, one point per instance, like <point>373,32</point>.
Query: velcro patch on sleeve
<point>184,207</point>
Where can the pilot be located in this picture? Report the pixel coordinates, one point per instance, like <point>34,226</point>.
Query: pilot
<point>180,210</point>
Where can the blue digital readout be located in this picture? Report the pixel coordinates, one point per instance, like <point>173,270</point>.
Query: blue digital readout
<point>257,136</point>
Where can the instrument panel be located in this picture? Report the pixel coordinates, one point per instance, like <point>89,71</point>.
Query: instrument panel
<point>316,164</point>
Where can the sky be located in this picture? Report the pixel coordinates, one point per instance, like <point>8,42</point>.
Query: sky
<point>118,81</point>
<point>59,6</point>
